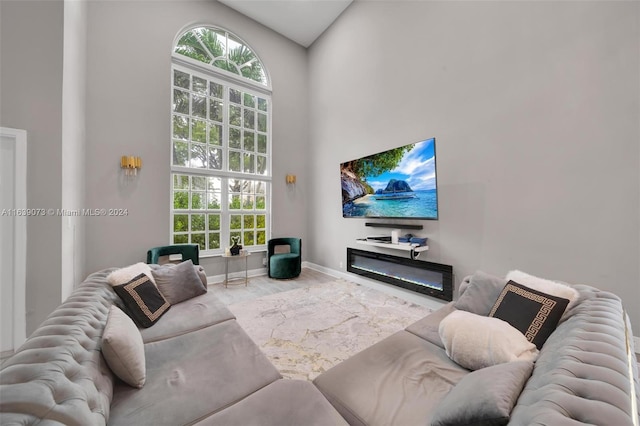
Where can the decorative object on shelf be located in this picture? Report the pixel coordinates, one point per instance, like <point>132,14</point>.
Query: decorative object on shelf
<point>235,248</point>
<point>290,179</point>
<point>419,241</point>
<point>405,239</point>
<point>130,164</point>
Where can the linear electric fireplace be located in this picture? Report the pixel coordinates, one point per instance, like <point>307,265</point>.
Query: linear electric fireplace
<point>432,279</point>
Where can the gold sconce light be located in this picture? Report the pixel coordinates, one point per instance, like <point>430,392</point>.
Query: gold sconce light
<point>290,179</point>
<point>130,164</point>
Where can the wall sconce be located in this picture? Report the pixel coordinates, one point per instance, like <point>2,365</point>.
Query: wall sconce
<point>130,164</point>
<point>290,179</point>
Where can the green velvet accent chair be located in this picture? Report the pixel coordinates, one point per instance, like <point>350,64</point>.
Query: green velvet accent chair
<point>284,265</point>
<point>188,251</point>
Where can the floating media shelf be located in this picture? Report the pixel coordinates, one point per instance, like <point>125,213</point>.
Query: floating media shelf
<point>404,247</point>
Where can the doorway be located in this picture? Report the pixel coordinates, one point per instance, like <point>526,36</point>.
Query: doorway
<point>13,238</point>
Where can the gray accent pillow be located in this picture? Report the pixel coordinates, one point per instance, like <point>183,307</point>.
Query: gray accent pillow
<point>484,397</point>
<point>202,274</point>
<point>178,283</point>
<point>481,293</point>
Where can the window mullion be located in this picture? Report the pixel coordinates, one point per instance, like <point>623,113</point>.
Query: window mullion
<point>220,74</point>
<point>225,220</point>
<point>224,174</point>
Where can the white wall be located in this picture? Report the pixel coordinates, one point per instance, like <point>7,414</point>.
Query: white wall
<point>534,106</point>
<point>73,143</point>
<point>128,113</point>
<point>31,38</point>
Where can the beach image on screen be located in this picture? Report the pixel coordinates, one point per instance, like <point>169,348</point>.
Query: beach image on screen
<point>398,183</point>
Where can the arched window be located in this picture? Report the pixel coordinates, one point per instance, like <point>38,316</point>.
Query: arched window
<point>221,49</point>
<point>221,142</point>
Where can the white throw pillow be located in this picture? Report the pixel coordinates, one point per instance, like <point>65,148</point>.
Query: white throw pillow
<point>553,288</point>
<point>123,349</point>
<point>475,341</point>
<point>124,275</point>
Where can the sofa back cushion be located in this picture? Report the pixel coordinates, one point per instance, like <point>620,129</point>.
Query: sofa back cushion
<point>59,373</point>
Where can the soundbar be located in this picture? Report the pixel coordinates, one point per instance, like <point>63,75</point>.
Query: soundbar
<point>392,225</point>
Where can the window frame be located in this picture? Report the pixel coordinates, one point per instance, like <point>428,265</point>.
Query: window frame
<point>230,81</point>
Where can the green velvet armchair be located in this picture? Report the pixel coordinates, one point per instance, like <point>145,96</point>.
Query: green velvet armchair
<point>284,265</point>
<point>188,251</point>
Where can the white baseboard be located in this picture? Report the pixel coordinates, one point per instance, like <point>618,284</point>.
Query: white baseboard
<point>409,296</point>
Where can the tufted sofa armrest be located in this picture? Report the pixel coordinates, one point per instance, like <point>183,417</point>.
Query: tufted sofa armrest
<point>585,372</point>
<point>58,376</point>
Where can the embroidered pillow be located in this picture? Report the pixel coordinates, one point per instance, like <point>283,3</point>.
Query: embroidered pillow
<point>144,303</point>
<point>534,313</point>
<point>553,288</point>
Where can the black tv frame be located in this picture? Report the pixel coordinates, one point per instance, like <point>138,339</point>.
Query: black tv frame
<point>435,162</point>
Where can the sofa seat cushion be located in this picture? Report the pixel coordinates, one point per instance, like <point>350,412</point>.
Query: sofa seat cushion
<point>282,403</point>
<point>399,380</point>
<point>427,328</point>
<point>191,376</point>
<point>184,317</point>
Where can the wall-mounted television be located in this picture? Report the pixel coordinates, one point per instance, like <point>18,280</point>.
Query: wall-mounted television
<point>397,183</point>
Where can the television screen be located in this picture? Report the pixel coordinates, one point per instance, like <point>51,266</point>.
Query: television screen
<point>398,183</point>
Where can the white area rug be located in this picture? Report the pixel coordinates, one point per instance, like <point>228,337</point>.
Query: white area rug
<point>307,331</point>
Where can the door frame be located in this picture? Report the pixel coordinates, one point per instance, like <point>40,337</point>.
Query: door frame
<point>20,233</point>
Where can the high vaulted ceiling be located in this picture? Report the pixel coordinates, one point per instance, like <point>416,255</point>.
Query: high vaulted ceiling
<point>302,21</point>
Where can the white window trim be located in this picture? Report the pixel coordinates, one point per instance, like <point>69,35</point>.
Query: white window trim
<point>233,81</point>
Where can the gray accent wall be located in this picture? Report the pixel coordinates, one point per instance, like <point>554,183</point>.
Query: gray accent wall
<point>31,40</point>
<point>535,111</point>
<point>534,106</point>
<point>128,113</point>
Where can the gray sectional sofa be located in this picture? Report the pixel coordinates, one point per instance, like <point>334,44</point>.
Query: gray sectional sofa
<point>585,373</point>
<point>202,368</point>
